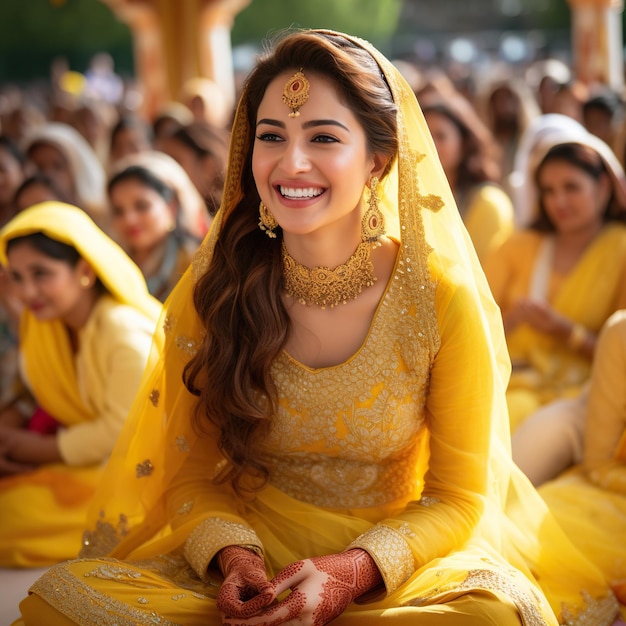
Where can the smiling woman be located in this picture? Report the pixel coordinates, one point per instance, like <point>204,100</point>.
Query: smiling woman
<point>288,461</point>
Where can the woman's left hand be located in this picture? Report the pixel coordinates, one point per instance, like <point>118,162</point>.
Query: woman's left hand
<point>545,319</point>
<point>27,450</point>
<point>10,441</point>
<point>321,589</point>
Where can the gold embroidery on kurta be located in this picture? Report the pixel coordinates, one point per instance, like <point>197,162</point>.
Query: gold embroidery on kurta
<point>525,599</point>
<point>597,611</point>
<point>339,450</point>
<point>391,552</point>
<point>104,537</point>
<point>182,444</point>
<point>154,397</point>
<point>143,469</point>
<point>82,603</point>
<point>187,345</point>
<point>210,536</point>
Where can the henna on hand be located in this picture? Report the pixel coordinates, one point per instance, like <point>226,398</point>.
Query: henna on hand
<point>351,574</point>
<point>321,589</point>
<point>246,589</point>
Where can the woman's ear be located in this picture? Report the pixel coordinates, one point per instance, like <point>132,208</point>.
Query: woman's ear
<point>86,274</point>
<point>379,166</point>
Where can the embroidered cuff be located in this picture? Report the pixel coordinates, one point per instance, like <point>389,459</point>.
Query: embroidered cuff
<point>213,534</point>
<point>391,552</point>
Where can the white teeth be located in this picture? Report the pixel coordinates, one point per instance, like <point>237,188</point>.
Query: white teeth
<point>310,192</point>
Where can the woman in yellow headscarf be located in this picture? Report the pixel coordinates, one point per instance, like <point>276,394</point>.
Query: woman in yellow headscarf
<point>559,280</point>
<point>84,340</point>
<point>337,433</point>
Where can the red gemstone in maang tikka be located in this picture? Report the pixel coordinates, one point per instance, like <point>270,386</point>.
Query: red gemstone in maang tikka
<point>296,92</point>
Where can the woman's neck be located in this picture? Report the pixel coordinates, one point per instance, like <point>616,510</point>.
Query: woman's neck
<point>328,247</point>
<point>144,257</point>
<point>578,239</point>
<point>80,315</point>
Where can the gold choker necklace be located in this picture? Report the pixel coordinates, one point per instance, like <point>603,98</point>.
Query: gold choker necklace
<point>324,287</point>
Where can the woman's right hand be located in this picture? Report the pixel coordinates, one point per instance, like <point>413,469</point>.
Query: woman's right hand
<point>246,589</point>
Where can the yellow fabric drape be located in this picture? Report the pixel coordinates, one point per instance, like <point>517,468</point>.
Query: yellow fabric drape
<point>465,520</point>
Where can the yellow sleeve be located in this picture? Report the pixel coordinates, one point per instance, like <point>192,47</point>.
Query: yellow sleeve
<point>215,520</point>
<point>459,418</point>
<point>606,417</point>
<point>489,219</point>
<point>115,356</point>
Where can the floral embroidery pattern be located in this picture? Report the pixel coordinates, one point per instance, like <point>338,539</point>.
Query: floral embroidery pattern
<point>143,469</point>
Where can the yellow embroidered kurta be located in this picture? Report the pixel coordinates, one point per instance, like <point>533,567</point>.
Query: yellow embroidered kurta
<point>590,500</point>
<point>402,450</point>
<point>488,218</point>
<point>544,368</point>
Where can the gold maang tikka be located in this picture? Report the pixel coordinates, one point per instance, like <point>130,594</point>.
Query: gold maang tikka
<point>296,92</point>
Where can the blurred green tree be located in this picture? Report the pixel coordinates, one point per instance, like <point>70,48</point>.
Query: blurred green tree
<point>374,20</point>
<point>35,32</point>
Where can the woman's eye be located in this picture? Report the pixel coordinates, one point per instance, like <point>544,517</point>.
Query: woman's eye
<point>269,137</point>
<point>324,139</point>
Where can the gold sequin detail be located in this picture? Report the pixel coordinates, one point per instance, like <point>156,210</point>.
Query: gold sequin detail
<point>143,469</point>
<point>391,552</point>
<point>182,444</point>
<point>168,324</point>
<point>187,345</point>
<point>527,603</point>
<point>104,538</point>
<point>154,397</point>
<point>210,536</point>
<point>185,508</point>
<point>597,612</point>
<point>428,501</point>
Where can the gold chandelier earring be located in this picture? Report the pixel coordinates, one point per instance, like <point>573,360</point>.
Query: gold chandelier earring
<point>267,222</point>
<point>373,222</point>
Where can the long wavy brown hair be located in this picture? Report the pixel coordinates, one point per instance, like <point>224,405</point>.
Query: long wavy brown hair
<point>239,298</point>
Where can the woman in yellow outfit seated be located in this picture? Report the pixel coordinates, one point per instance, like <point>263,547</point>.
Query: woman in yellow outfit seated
<point>316,444</point>
<point>560,279</point>
<point>84,339</point>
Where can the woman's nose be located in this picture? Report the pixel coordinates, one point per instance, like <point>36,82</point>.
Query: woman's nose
<point>295,158</point>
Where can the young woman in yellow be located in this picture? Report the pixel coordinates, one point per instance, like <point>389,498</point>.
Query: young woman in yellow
<point>319,435</point>
<point>559,280</point>
<point>84,339</point>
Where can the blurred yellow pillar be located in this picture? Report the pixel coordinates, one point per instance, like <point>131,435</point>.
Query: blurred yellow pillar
<point>597,42</point>
<point>177,40</point>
